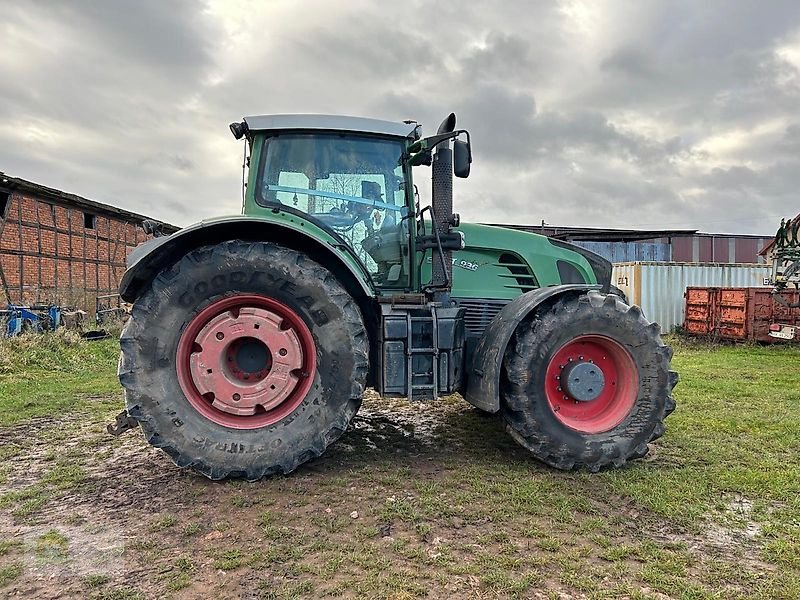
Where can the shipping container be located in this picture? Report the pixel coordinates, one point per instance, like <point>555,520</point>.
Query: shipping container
<point>659,287</point>
<point>739,313</point>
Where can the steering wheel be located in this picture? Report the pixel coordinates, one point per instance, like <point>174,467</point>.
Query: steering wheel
<point>371,243</point>
<point>386,245</point>
<point>337,220</point>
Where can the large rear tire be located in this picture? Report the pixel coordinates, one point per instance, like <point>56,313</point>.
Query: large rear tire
<point>244,359</point>
<point>587,383</point>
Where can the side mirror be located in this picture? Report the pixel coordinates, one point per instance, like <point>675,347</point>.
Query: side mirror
<point>462,157</point>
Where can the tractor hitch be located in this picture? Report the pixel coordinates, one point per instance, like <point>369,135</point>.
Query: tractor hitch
<point>121,424</point>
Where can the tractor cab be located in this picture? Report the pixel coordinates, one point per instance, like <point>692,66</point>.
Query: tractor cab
<point>352,177</point>
<point>353,185</point>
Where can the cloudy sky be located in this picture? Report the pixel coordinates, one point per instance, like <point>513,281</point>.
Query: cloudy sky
<point>618,114</point>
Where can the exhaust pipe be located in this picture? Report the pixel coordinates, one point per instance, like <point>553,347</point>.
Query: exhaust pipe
<point>442,203</point>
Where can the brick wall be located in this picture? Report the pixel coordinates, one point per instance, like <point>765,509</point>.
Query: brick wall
<point>48,255</point>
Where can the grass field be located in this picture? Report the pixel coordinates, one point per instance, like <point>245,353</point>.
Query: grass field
<point>414,501</point>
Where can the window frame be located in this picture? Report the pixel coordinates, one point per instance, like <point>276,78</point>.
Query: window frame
<point>408,205</point>
<point>5,202</point>
<point>407,211</point>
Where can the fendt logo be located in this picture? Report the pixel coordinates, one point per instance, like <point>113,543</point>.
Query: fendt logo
<point>463,264</point>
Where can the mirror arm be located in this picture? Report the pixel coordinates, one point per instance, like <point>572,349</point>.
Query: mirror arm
<point>421,151</point>
<point>429,143</point>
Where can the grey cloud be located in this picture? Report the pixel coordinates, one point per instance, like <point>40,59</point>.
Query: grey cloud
<point>170,34</point>
<point>509,127</point>
<point>602,119</point>
<point>733,178</point>
<point>384,54</point>
<point>791,139</point>
<point>505,57</point>
<point>168,161</point>
<point>698,64</point>
<point>631,62</point>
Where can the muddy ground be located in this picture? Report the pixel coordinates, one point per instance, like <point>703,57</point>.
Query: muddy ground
<point>415,500</point>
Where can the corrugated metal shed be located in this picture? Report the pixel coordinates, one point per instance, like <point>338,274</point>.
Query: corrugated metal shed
<point>629,251</point>
<point>721,248</point>
<point>685,245</point>
<point>659,287</point>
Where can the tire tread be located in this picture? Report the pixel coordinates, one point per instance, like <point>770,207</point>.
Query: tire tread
<point>353,326</point>
<point>527,347</point>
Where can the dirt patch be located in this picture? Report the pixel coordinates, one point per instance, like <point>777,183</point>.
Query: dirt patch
<point>414,501</point>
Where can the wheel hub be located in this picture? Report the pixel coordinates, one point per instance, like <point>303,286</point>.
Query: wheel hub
<point>244,360</point>
<point>249,357</point>
<point>591,383</point>
<point>583,381</point>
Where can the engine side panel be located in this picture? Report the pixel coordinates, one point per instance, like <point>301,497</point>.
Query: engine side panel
<point>501,264</point>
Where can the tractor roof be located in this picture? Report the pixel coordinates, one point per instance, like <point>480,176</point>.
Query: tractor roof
<point>330,123</point>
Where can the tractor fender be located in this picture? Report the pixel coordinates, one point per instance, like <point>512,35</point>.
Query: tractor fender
<point>483,377</point>
<point>152,257</point>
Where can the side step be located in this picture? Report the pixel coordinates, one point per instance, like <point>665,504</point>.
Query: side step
<point>422,350</point>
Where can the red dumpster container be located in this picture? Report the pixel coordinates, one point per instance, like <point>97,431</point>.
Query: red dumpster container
<point>738,313</point>
<point>698,315</point>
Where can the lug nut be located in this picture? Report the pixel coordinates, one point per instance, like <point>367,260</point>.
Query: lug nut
<point>236,397</point>
<point>220,335</point>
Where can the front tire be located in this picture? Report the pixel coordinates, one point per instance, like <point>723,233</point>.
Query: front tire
<point>244,359</point>
<point>587,383</point>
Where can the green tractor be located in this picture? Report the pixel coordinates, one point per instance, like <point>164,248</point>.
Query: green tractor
<point>252,338</point>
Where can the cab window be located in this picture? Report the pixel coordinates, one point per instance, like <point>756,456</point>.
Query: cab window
<point>353,185</point>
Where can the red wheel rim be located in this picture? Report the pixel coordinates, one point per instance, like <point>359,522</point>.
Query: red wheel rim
<point>618,395</point>
<point>246,361</point>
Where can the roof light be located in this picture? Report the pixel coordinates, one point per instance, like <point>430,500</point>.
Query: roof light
<point>238,129</point>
